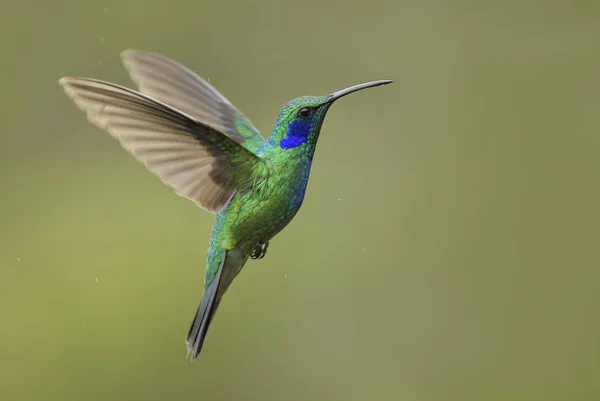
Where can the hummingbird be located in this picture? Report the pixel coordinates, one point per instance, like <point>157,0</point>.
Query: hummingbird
<point>189,135</point>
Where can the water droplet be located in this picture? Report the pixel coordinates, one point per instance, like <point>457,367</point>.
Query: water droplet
<point>18,260</point>
<point>106,10</point>
<point>285,276</point>
<point>96,279</point>
<point>339,199</point>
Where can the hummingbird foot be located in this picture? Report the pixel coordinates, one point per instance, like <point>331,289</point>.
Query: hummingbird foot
<point>260,250</point>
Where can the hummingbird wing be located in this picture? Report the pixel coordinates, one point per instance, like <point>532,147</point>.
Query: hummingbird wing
<point>199,162</point>
<point>178,86</point>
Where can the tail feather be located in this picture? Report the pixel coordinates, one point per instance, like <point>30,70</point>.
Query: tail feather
<point>206,311</point>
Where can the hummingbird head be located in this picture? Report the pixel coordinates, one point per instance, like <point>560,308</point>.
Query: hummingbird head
<point>300,120</point>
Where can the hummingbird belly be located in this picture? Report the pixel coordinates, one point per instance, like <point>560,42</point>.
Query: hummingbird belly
<point>259,216</point>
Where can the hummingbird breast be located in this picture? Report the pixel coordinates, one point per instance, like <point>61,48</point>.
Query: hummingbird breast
<point>262,212</point>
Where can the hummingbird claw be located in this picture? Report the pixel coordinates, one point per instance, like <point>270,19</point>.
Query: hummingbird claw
<point>259,251</point>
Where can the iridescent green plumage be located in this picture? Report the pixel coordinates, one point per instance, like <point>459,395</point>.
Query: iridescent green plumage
<point>188,134</point>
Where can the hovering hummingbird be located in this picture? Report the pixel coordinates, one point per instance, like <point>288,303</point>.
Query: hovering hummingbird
<point>189,135</point>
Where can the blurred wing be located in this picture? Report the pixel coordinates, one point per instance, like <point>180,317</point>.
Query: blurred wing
<point>172,83</point>
<point>199,162</point>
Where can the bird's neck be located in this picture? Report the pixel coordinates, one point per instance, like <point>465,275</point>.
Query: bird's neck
<point>291,171</point>
<point>300,155</point>
<point>289,164</point>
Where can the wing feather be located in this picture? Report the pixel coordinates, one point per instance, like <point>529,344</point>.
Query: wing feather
<point>176,85</point>
<point>195,159</point>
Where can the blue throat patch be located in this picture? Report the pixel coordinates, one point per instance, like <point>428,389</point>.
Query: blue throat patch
<point>297,134</point>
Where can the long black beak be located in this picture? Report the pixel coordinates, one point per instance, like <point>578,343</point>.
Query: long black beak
<point>336,95</point>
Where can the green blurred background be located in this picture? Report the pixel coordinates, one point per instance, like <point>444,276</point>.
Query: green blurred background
<point>448,248</point>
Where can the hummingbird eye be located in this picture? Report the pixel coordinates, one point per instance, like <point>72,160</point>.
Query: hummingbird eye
<point>304,112</point>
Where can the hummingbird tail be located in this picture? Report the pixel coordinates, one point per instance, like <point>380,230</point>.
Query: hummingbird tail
<point>231,262</point>
<point>208,306</point>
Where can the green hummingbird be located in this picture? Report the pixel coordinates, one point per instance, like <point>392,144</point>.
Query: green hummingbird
<point>189,135</point>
